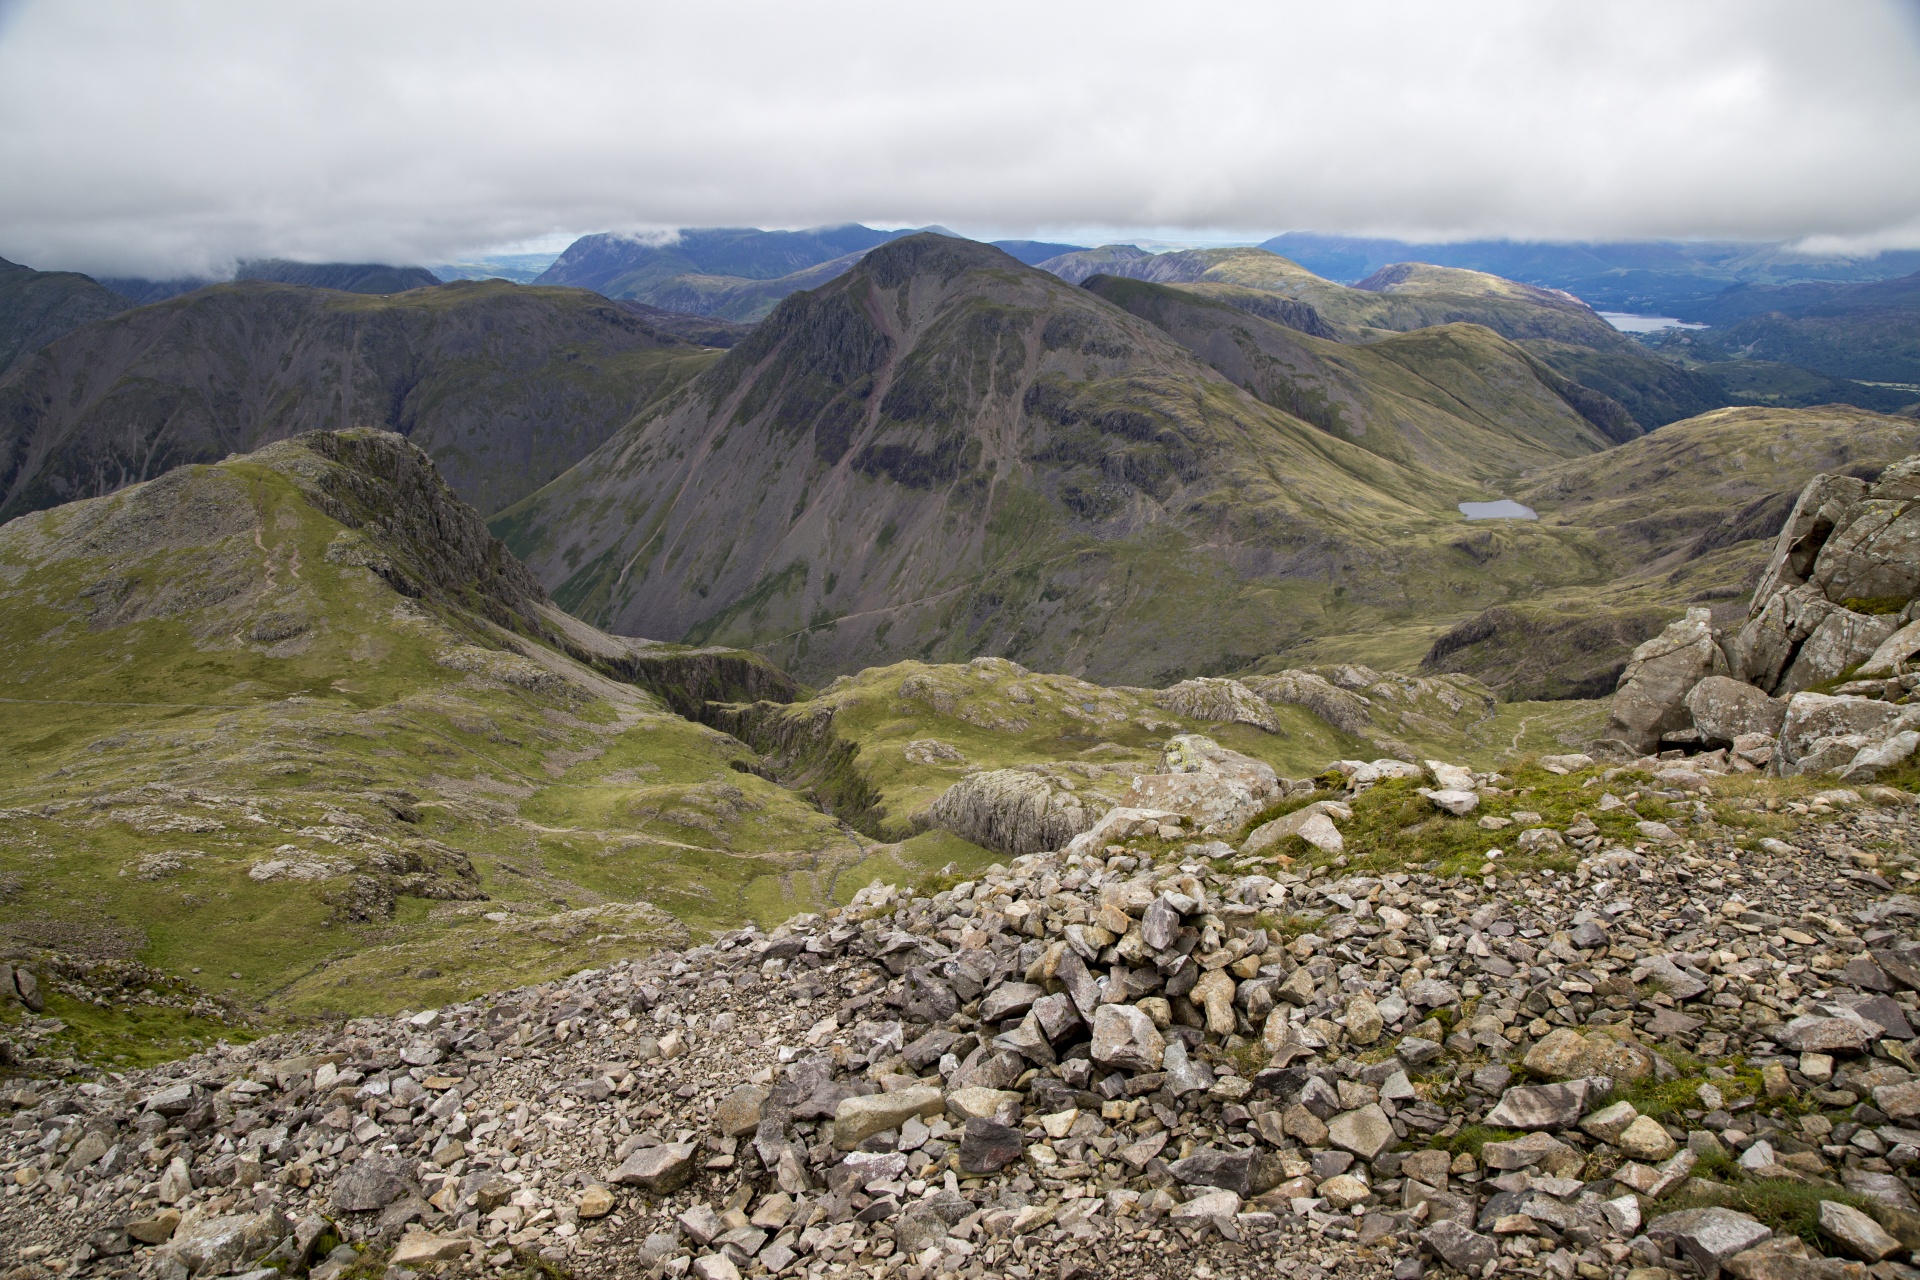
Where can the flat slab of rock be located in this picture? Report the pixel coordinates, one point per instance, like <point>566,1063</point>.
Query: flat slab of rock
<point>857,1119</point>
<point>664,1168</point>
<point>1460,1247</point>
<point>1365,1131</point>
<point>1541,1106</point>
<point>1709,1236</point>
<point>1809,1034</point>
<point>1855,1232</point>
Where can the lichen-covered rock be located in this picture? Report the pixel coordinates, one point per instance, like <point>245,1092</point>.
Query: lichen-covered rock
<point>1221,700</point>
<point>1343,709</point>
<point>1895,653</point>
<point>1014,811</point>
<point>1843,639</point>
<point>1650,702</point>
<point>1724,708</point>
<point>1313,823</point>
<point>1822,505</point>
<point>1214,787</point>
<point>1813,716</point>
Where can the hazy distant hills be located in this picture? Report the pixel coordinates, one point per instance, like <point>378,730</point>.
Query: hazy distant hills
<point>350,277</point>
<point>1866,332</point>
<point>504,385</point>
<point>1559,329</point>
<point>1638,276</point>
<point>733,273</point>
<point>944,452</point>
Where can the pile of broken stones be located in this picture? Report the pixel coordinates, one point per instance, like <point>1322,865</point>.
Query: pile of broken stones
<point>1086,1062</point>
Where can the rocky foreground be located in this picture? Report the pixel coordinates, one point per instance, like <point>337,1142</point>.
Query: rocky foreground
<point>1140,1055</point>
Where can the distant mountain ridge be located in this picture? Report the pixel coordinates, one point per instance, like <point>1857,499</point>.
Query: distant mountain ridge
<point>944,452</point>
<point>504,385</point>
<point>1554,326</point>
<point>734,273</point>
<point>37,307</point>
<point>1639,276</point>
<point>349,277</point>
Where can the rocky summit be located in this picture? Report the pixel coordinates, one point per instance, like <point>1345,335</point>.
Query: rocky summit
<point>1135,1054</point>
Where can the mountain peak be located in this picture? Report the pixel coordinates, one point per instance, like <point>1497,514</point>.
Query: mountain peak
<point>928,253</point>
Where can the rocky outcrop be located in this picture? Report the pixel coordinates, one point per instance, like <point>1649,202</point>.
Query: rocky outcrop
<point>1013,811</point>
<point>1837,597</point>
<point>1343,709</point>
<point>1650,704</point>
<point>1222,701</point>
<point>1724,708</point>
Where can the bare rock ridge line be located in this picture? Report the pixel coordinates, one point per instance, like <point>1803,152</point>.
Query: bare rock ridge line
<point>1076,1063</point>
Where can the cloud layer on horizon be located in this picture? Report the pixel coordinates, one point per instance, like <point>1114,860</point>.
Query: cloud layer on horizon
<point>172,137</point>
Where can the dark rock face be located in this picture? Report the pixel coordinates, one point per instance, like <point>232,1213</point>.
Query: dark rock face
<point>505,386</point>
<point>987,1146</point>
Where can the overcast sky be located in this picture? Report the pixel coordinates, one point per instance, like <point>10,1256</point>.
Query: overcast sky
<point>154,137</point>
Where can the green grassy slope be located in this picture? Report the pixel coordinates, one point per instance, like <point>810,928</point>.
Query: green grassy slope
<point>1556,327</point>
<point>505,386</point>
<point>1684,516</point>
<point>291,717</point>
<point>1456,398</point>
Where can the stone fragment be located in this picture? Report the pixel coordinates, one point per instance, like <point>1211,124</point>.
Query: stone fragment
<point>1650,700</point>
<point>1565,1054</point>
<point>1125,1037</point>
<point>1723,709</point>
<point>1213,1204</point>
<point>372,1182</point>
<point>1214,992</point>
<point>987,1146</point>
<point>739,1112</point>
<point>1709,1236</point>
<point>1364,1023</point>
<point>1343,1191</point>
<point>1646,1139</point>
<point>1460,1247</point>
<point>858,1118</point>
<point>1855,1232</point>
<point>155,1228</point>
<point>1457,803</point>
<point>596,1202</point>
<point>1365,1131</point>
<point>1786,1258</point>
<point>1009,1000</point>
<point>1541,1106</point>
<point>1208,1167</point>
<point>1610,1121</point>
<point>1811,1033</point>
<point>176,1183</point>
<point>974,1101</point>
<point>1899,1101</point>
<point>420,1248</point>
<point>662,1169</point>
<point>216,1245</point>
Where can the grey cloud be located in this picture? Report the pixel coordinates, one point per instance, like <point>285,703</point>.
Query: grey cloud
<point>165,137</point>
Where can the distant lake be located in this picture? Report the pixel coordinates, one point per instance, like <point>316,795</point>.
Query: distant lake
<point>1505,509</point>
<point>1626,322</point>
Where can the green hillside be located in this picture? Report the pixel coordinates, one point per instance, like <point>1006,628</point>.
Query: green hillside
<point>1557,328</point>
<point>295,717</point>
